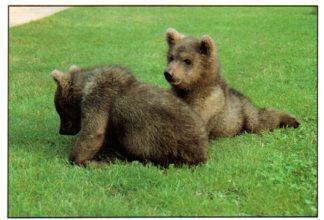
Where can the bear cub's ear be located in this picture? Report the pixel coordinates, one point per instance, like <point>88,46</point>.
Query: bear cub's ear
<point>172,36</point>
<point>60,78</point>
<point>74,69</point>
<point>207,45</point>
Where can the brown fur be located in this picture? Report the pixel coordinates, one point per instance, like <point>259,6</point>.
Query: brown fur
<point>114,112</point>
<point>194,74</point>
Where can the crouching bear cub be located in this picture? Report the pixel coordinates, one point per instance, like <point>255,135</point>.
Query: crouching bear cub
<point>110,108</point>
<point>194,74</point>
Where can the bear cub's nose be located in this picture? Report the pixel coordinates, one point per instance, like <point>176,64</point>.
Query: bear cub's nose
<point>168,76</point>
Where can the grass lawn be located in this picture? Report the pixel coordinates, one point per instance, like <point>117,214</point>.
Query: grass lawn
<point>267,53</point>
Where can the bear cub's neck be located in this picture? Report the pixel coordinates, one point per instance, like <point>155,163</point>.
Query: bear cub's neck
<point>114,78</point>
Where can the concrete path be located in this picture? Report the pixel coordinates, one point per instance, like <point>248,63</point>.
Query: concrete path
<point>22,15</point>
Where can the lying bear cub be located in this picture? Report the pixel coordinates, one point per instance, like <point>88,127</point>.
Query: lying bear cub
<point>110,108</point>
<point>194,74</point>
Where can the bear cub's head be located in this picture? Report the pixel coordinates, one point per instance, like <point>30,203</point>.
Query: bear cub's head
<point>188,58</point>
<point>67,104</point>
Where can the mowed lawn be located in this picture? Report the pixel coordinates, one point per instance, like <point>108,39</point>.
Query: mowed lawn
<point>268,53</point>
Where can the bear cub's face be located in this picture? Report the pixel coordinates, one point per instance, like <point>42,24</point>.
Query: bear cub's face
<point>187,58</point>
<point>66,104</point>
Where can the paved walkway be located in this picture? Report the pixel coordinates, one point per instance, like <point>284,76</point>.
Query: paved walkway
<point>22,15</point>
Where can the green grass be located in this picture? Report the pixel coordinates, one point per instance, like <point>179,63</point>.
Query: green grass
<point>267,53</point>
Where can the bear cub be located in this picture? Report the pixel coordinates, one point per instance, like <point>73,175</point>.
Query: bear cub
<point>194,74</point>
<point>110,108</point>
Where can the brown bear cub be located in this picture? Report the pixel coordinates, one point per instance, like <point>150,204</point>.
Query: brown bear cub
<point>194,74</point>
<point>111,109</point>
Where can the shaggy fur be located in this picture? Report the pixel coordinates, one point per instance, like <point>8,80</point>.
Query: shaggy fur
<point>194,74</point>
<point>112,110</point>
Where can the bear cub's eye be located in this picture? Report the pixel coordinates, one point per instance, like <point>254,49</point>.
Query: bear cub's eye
<point>187,61</point>
<point>171,58</point>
